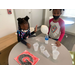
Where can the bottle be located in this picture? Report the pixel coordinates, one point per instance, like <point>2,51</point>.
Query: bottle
<point>46,39</point>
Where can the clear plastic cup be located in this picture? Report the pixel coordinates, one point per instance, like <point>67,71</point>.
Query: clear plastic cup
<point>42,48</point>
<point>46,53</point>
<point>36,45</point>
<point>54,47</point>
<point>55,54</point>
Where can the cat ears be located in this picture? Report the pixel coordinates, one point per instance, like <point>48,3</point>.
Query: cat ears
<point>60,9</point>
<point>25,18</point>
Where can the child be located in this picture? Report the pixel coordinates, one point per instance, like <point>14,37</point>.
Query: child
<point>56,27</point>
<point>24,32</point>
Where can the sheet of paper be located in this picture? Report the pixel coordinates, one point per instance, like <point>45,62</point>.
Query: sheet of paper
<point>26,58</point>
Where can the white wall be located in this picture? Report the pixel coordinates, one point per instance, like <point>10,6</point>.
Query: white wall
<point>47,15</point>
<point>7,23</point>
<point>71,27</point>
<point>36,16</point>
<point>21,13</point>
<point>69,13</point>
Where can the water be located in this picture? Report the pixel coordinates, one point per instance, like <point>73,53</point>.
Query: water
<point>46,39</point>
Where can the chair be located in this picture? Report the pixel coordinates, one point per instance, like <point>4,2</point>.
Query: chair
<point>31,30</point>
<point>73,54</point>
<point>73,57</point>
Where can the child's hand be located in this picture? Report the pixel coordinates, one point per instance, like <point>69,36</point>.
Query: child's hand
<point>28,45</point>
<point>35,29</point>
<point>58,43</point>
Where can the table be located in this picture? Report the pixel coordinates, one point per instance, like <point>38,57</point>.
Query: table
<point>63,59</point>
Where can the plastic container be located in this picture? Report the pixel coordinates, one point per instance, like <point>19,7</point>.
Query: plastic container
<point>36,45</point>
<point>46,39</point>
<point>42,48</point>
<point>54,47</point>
<point>55,54</point>
<point>46,53</point>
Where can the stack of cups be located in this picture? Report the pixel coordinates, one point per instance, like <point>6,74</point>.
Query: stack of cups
<point>55,52</point>
<point>45,52</point>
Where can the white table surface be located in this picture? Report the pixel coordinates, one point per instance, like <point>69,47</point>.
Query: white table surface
<point>63,59</point>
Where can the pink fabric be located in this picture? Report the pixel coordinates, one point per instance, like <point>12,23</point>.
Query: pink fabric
<point>62,28</point>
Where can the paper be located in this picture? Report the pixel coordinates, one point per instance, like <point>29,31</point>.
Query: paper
<point>38,39</point>
<point>52,44</point>
<point>26,58</point>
